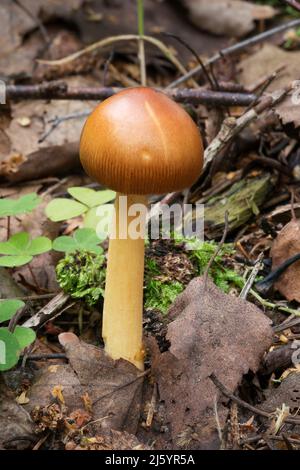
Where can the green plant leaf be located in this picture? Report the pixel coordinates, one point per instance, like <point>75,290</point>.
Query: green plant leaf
<point>84,239</point>
<point>21,249</point>
<point>17,244</point>
<point>39,245</point>
<point>63,209</point>
<point>23,205</point>
<point>14,261</point>
<point>100,222</point>
<point>24,336</point>
<point>9,350</point>
<point>92,198</point>
<point>8,308</point>
<point>65,244</point>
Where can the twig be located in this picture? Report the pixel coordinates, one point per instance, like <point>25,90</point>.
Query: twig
<point>55,122</point>
<point>141,31</point>
<point>48,311</point>
<point>231,126</point>
<point>44,357</point>
<point>246,405</point>
<point>61,91</point>
<point>212,259</point>
<point>252,277</point>
<point>268,304</point>
<point>120,387</point>
<point>235,48</point>
<point>263,286</point>
<point>293,4</point>
<point>197,57</point>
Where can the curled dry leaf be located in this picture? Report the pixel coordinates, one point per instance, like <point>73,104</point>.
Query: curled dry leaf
<point>211,332</point>
<point>227,17</point>
<point>286,245</point>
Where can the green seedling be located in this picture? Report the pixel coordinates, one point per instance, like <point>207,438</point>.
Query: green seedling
<point>86,203</point>
<point>20,249</point>
<point>84,239</point>
<point>12,343</point>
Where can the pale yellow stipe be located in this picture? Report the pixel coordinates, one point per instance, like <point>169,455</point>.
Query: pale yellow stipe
<point>123,305</point>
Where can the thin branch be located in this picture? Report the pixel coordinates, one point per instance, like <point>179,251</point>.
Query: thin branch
<point>196,55</point>
<point>61,91</point>
<point>246,405</point>
<point>236,48</point>
<point>293,4</point>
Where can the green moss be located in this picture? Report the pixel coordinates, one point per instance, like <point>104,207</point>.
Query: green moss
<point>160,295</point>
<point>82,276</point>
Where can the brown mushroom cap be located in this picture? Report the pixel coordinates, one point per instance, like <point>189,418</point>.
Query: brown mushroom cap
<point>141,142</point>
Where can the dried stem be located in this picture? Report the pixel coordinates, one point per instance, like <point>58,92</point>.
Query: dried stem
<point>141,31</point>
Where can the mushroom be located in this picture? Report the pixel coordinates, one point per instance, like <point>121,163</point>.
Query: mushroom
<point>137,142</point>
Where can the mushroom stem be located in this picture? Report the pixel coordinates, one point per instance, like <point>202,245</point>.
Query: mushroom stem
<point>122,330</point>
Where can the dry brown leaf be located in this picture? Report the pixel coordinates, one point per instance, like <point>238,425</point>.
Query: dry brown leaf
<point>211,332</point>
<point>287,393</point>
<point>286,245</point>
<point>14,421</point>
<point>267,60</point>
<point>227,17</point>
<point>114,388</point>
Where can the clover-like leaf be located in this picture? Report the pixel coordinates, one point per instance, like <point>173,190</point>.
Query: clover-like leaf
<point>99,218</point>
<point>63,209</point>
<point>24,336</point>
<point>92,198</point>
<point>14,261</point>
<point>39,245</point>
<point>20,249</point>
<point>8,308</point>
<point>65,244</point>
<point>23,205</point>
<point>83,239</point>
<point>9,350</point>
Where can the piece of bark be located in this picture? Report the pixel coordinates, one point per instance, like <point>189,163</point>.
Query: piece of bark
<point>210,332</point>
<point>52,161</point>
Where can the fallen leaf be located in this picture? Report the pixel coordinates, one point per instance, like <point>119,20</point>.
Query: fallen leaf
<point>266,61</point>
<point>227,17</point>
<point>211,332</point>
<point>14,421</point>
<point>114,387</point>
<point>286,245</point>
